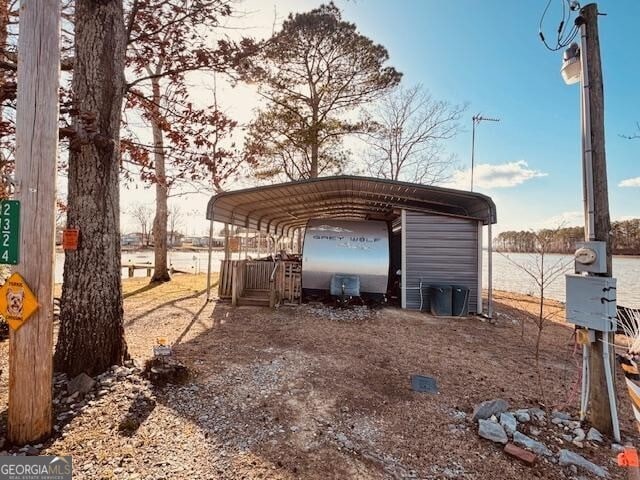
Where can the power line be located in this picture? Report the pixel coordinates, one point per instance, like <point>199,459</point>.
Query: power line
<point>563,39</point>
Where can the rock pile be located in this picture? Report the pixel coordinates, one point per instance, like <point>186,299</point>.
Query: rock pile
<point>515,429</point>
<point>346,314</point>
<point>75,396</point>
<point>162,371</point>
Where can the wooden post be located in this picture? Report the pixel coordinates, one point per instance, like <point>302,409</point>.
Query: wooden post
<point>30,348</point>
<point>227,247</point>
<point>258,237</point>
<point>234,284</point>
<point>599,413</point>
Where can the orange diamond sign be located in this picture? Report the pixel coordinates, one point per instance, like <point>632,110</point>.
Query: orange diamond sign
<point>17,301</point>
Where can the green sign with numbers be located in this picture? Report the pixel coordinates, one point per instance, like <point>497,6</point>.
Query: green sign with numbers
<point>9,231</point>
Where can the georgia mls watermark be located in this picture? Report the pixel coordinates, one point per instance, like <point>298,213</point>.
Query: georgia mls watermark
<point>35,468</point>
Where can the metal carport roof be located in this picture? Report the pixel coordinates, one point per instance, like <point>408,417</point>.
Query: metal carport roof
<point>280,208</point>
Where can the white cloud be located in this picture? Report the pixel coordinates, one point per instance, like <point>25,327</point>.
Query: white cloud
<point>564,219</point>
<point>488,176</point>
<point>623,218</point>
<point>630,182</point>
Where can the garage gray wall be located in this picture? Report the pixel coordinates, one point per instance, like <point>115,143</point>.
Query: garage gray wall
<point>440,249</point>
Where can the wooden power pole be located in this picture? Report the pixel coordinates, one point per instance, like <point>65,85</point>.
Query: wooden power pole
<point>30,347</point>
<point>599,413</point>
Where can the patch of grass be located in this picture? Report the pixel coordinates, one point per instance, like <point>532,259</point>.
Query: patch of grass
<point>176,288</point>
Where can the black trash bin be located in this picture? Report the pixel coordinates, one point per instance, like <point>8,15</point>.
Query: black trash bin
<point>460,300</point>
<point>440,300</point>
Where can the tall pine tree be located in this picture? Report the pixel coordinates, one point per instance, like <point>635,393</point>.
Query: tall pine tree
<point>313,74</point>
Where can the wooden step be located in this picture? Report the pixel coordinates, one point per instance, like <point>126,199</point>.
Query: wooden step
<point>254,297</point>
<point>255,293</point>
<point>253,301</point>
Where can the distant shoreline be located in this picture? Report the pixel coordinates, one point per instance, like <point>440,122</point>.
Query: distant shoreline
<point>625,255</point>
<point>204,249</point>
<point>125,249</point>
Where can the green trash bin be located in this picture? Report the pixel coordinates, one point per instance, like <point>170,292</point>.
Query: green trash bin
<point>460,300</point>
<point>440,300</point>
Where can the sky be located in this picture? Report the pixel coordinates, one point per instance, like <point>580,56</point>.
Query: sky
<point>487,54</point>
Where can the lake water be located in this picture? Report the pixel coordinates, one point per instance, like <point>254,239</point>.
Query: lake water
<point>505,275</point>
<point>191,262</point>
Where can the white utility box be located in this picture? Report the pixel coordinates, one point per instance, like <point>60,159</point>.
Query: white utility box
<point>591,302</point>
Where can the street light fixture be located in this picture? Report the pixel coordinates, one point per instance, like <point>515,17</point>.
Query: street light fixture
<point>571,69</point>
<point>477,118</point>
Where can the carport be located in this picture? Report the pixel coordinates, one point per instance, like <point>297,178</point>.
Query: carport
<point>437,231</point>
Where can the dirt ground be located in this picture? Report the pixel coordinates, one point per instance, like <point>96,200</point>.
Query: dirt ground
<point>312,393</point>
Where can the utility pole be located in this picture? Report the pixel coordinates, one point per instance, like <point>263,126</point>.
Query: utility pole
<point>30,347</point>
<point>476,119</point>
<point>599,227</point>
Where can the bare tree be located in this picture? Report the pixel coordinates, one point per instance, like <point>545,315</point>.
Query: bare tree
<point>168,41</point>
<point>175,221</point>
<point>61,213</point>
<point>543,272</point>
<point>635,135</point>
<point>8,88</point>
<point>407,135</point>
<point>143,215</point>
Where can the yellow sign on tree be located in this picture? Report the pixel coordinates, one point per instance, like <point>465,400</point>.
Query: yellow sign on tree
<point>17,301</point>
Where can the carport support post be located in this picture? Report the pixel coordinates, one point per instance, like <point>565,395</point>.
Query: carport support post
<point>209,260</point>
<point>480,270</point>
<point>489,273</point>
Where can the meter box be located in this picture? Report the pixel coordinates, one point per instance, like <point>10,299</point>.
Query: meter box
<point>591,257</point>
<point>591,302</point>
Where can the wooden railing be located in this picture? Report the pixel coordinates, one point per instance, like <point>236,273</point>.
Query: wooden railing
<point>237,281</point>
<point>257,275</point>
<point>281,279</point>
<point>226,277</point>
<point>288,282</point>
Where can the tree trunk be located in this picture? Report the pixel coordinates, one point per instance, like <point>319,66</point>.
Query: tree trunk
<point>160,271</point>
<point>315,148</point>
<point>313,173</point>
<point>91,337</point>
